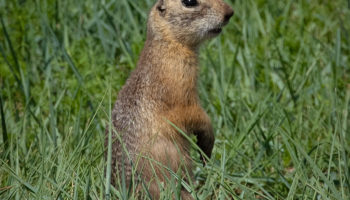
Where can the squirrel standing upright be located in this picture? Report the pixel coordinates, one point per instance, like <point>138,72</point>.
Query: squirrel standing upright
<point>161,93</point>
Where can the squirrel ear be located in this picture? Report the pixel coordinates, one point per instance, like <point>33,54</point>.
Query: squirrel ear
<point>161,7</point>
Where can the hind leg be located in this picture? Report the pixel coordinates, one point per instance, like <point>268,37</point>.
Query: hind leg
<point>156,165</point>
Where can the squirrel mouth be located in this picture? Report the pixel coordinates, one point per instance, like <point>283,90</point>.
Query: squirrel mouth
<point>218,29</point>
<point>215,30</point>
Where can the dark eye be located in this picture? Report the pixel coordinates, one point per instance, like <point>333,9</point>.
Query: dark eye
<point>190,3</point>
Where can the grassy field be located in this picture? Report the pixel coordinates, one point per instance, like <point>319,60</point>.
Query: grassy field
<point>276,85</point>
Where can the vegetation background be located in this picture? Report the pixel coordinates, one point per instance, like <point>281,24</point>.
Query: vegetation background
<point>276,85</point>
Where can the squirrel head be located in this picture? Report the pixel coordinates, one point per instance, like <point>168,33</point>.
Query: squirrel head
<point>189,22</point>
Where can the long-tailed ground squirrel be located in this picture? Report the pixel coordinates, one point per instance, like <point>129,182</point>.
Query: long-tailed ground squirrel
<point>162,89</point>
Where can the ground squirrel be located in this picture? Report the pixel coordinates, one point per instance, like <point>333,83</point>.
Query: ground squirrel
<point>162,89</point>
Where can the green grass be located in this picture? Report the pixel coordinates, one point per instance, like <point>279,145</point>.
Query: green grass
<point>276,85</point>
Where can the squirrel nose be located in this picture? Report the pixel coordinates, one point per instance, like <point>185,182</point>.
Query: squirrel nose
<point>228,14</point>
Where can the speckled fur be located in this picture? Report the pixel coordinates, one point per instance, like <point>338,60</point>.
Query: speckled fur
<point>161,89</point>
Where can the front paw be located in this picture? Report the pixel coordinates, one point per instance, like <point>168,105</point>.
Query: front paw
<point>204,159</point>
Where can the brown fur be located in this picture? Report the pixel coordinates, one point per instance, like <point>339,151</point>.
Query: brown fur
<point>161,89</point>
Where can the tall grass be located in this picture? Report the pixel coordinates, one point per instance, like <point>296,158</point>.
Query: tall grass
<point>276,85</point>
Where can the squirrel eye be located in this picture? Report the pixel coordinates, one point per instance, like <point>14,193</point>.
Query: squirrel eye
<point>190,3</point>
